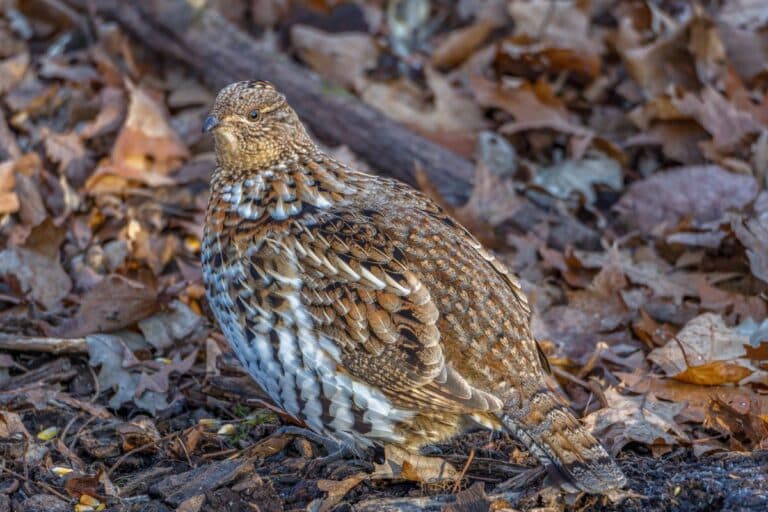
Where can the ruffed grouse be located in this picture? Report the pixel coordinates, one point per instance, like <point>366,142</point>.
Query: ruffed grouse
<point>362,308</point>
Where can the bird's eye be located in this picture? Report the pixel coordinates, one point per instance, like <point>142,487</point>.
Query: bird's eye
<point>254,114</point>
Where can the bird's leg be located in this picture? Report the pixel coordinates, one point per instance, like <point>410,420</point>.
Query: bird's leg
<point>329,444</point>
<point>315,465</point>
<point>336,451</point>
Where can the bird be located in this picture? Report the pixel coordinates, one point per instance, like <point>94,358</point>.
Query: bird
<point>363,309</point>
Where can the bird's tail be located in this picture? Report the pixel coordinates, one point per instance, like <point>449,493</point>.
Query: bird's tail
<point>545,424</point>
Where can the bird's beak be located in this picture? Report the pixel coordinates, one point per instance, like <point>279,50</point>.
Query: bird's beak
<point>210,123</point>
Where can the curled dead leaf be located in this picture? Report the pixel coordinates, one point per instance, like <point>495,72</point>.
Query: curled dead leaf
<point>147,148</point>
<point>9,201</point>
<point>400,463</point>
<point>703,193</point>
<point>115,302</point>
<point>340,58</point>
<point>708,352</point>
<point>643,419</point>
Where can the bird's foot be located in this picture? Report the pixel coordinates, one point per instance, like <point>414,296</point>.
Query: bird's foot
<point>316,465</point>
<point>336,451</point>
<point>330,445</point>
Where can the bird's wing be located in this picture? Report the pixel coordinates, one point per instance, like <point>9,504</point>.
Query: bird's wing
<point>378,315</point>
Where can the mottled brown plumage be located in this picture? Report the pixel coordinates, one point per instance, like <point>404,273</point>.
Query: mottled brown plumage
<point>362,308</point>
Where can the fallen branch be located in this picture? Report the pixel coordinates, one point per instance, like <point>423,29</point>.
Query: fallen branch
<point>41,344</point>
<point>222,53</point>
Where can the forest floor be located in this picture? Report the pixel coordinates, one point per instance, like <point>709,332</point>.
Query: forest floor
<point>620,158</point>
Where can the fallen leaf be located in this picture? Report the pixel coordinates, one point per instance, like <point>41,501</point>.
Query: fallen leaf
<point>115,302</point>
<point>147,149</point>
<point>111,353</point>
<point>111,113</point>
<point>666,60</point>
<point>12,71</point>
<point>494,199</point>
<point>729,126</point>
<point>644,268</point>
<point>400,463</point>
<point>579,177</point>
<point>697,399</point>
<point>530,57</point>
<point>9,201</point>
<point>161,330</point>
<point>707,352</point>
<point>78,485</point>
<point>703,193</point>
<point>139,432</point>
<point>461,43</point>
<point>474,499</point>
<point>338,489</point>
<point>39,278</point>
<point>753,234</point>
<point>643,419</point>
<point>564,24</point>
<point>451,118</point>
<point>31,206</point>
<point>10,424</point>
<point>746,49</point>
<point>68,151</point>
<point>341,58</point>
<point>740,417</point>
<point>156,375</point>
<point>748,14</point>
<point>534,107</point>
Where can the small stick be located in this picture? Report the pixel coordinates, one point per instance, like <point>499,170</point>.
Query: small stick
<point>457,484</point>
<point>43,344</point>
<point>41,484</point>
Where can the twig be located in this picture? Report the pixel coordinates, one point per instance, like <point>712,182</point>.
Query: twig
<point>43,344</point>
<point>41,484</point>
<point>143,447</point>
<point>184,449</point>
<point>594,386</point>
<point>593,359</point>
<point>567,376</point>
<point>457,484</point>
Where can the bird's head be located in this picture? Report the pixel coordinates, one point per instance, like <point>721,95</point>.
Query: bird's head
<point>254,127</point>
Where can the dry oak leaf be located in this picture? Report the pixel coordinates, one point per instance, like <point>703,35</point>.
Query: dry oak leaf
<point>753,234</point>
<point>523,55</point>
<point>565,24</point>
<point>644,419</point>
<point>536,107</point>
<point>702,192</point>
<point>708,352</point>
<point>108,119</point>
<point>665,61</point>
<point>400,463</point>
<point>698,399</point>
<point>729,126</point>
<point>578,178</point>
<point>115,302</point>
<point>459,44</point>
<point>147,148</point>
<point>9,201</point>
<point>12,71</point>
<point>340,58</point>
<point>40,278</point>
<point>117,373</point>
<point>748,14</point>
<point>451,118</point>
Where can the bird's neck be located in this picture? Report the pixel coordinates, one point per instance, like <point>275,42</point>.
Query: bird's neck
<point>290,188</point>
